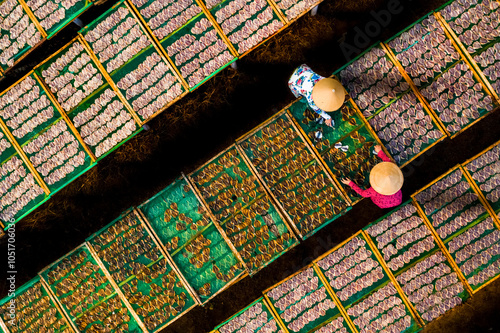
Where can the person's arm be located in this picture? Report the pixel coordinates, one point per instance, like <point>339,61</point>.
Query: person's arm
<point>364,193</point>
<point>326,116</point>
<point>323,114</point>
<point>381,154</point>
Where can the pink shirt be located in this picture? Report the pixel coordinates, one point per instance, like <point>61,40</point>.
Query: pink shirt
<point>383,201</point>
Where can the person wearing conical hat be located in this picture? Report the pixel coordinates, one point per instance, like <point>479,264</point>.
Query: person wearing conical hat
<point>322,94</point>
<point>386,180</point>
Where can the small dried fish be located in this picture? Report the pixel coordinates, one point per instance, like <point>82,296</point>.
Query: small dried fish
<point>199,53</point>
<point>235,13</point>
<point>457,98</point>
<point>72,76</point>
<point>476,23</point>
<point>424,50</point>
<point>373,81</point>
<point>404,132</point>
<point>432,286</point>
<point>117,38</point>
<point>20,33</point>
<point>164,17</point>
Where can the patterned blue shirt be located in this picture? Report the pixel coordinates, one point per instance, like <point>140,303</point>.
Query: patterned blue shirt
<point>302,82</point>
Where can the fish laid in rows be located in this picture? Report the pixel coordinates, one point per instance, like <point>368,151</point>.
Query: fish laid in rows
<point>199,52</point>
<point>373,81</point>
<point>402,237</point>
<point>485,171</point>
<point>55,153</point>
<point>477,252</point>
<point>35,312</point>
<point>105,123</point>
<point>335,326</point>
<point>351,269</point>
<point>476,23</point>
<point>72,76</point>
<point>424,51</point>
<point>166,298</point>
<point>247,23</point>
<point>489,61</point>
<point>255,318</point>
<point>301,300</point>
<point>116,38</point>
<point>382,311</point>
<point>431,286</point>
<point>457,98</point>
<point>405,128</point>
<point>165,16</point>
<point>51,13</point>
<point>17,189</point>
<point>24,107</point>
<point>22,32</point>
<point>151,85</point>
<point>293,8</point>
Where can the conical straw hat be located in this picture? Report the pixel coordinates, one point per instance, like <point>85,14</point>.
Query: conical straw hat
<point>386,178</point>
<point>328,94</point>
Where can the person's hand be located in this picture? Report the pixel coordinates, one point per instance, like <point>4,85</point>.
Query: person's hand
<point>378,148</point>
<point>345,181</point>
<point>329,122</point>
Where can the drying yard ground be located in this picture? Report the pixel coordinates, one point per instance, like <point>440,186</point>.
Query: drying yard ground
<point>210,119</point>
